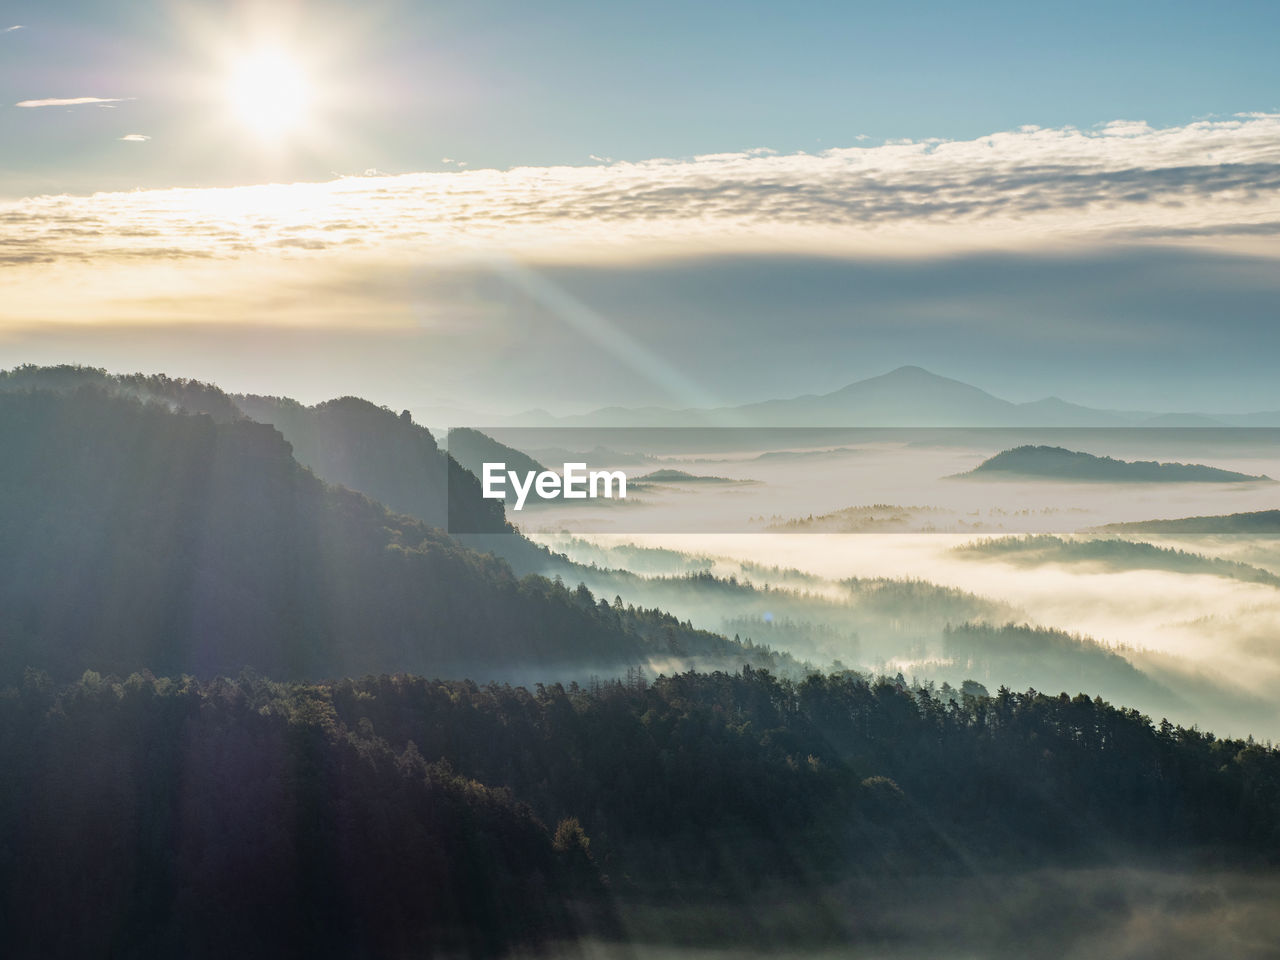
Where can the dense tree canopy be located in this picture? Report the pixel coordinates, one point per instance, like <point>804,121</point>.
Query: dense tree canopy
<point>394,814</point>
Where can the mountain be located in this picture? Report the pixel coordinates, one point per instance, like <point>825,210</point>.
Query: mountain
<point>174,393</point>
<point>909,396</point>
<point>243,819</point>
<point>826,817</point>
<point>1269,418</point>
<point>906,396</point>
<point>353,443</point>
<point>384,455</point>
<point>1054,412</point>
<point>1058,463</point>
<point>1182,420</point>
<point>136,537</point>
<point>346,441</point>
<point>473,449</point>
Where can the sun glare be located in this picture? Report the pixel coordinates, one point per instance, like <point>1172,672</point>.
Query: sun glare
<point>268,92</point>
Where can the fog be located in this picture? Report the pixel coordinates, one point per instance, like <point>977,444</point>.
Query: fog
<point>1201,626</point>
<point>1117,913</point>
<point>1209,640</point>
<point>793,480</point>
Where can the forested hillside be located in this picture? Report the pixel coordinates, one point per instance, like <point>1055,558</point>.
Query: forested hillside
<point>386,456</point>
<point>1058,463</point>
<point>176,393</point>
<point>473,449</point>
<point>133,537</point>
<point>393,815</point>
<point>1260,522</point>
<point>165,818</point>
<point>346,442</point>
<point>332,801</point>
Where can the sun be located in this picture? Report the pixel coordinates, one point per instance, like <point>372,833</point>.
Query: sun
<point>268,93</point>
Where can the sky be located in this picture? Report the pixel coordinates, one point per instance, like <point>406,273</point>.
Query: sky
<point>496,206</point>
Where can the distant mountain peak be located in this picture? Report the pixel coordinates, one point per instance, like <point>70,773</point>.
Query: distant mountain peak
<point>909,368</point>
<point>913,376</point>
<point>909,373</point>
<point>906,396</point>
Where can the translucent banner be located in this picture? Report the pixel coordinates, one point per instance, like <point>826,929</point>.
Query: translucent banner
<point>867,480</point>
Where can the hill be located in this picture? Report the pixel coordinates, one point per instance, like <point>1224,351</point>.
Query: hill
<point>1113,554</point>
<point>171,818</point>
<point>1262,521</point>
<point>473,449</point>
<point>1026,656</point>
<point>1058,463</point>
<point>174,393</point>
<point>680,476</point>
<point>245,818</point>
<point>346,441</point>
<point>356,444</point>
<point>133,537</point>
<point>908,396</point>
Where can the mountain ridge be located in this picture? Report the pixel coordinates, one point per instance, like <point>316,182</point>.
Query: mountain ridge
<point>907,396</point>
<point>135,536</point>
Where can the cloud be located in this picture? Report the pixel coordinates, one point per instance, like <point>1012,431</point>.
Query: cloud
<point>69,101</point>
<point>16,26</point>
<point>135,137</point>
<point>1212,182</point>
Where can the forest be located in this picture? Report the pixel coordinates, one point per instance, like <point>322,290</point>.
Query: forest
<point>134,537</point>
<point>255,700</point>
<point>401,816</point>
<point>1113,554</point>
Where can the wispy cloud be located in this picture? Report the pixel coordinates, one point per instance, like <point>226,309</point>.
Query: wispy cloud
<point>1213,181</point>
<point>69,101</point>
<point>135,138</point>
<point>16,26</point>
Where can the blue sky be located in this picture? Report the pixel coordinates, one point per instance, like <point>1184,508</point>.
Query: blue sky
<point>475,203</point>
<point>497,84</point>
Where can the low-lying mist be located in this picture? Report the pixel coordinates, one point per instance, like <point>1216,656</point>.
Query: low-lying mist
<point>917,477</point>
<point>1105,914</point>
<point>1205,643</point>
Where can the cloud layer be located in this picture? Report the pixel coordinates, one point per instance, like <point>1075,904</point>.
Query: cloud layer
<point>1209,181</point>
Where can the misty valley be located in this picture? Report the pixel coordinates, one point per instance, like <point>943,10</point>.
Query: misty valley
<point>639,481</point>
<point>281,679</point>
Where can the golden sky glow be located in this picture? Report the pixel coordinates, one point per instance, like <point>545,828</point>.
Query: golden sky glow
<point>372,255</point>
<point>1015,190</point>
